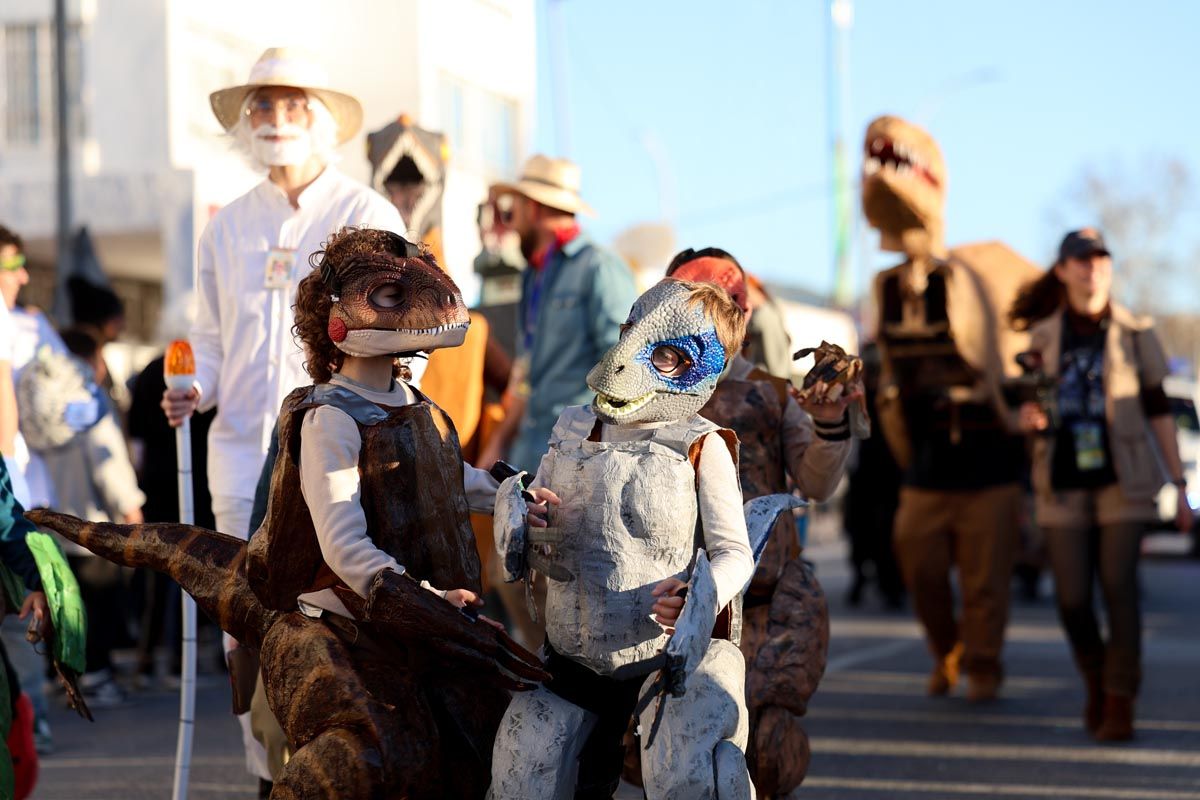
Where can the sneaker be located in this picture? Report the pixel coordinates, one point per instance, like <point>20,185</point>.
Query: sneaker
<point>43,739</point>
<point>102,693</point>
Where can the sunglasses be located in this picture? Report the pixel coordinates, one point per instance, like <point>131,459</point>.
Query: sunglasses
<point>12,263</point>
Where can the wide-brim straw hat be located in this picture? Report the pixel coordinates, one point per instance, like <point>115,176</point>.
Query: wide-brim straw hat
<point>288,67</point>
<point>553,182</point>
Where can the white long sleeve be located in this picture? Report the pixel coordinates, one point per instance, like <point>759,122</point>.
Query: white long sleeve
<point>723,520</point>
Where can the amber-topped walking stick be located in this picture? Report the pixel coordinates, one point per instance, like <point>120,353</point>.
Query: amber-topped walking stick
<point>179,370</point>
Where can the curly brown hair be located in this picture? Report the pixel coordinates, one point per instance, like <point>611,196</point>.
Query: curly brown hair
<point>314,299</point>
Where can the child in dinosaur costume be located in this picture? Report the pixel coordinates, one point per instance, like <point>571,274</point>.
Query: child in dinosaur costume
<point>946,352</point>
<point>785,633</point>
<point>641,482</point>
<point>365,563</point>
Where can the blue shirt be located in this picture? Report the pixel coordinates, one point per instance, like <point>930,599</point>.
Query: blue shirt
<point>583,295</point>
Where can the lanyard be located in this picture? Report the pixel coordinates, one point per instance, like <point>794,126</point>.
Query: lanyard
<point>533,306</point>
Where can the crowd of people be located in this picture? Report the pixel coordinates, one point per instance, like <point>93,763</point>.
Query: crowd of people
<point>308,279</point>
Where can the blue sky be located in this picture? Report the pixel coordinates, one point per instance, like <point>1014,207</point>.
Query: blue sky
<point>731,99</point>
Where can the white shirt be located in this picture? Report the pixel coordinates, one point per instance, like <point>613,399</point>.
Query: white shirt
<point>8,334</point>
<point>246,358</point>
<point>330,444</point>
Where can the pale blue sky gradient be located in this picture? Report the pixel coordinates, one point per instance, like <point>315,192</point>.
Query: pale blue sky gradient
<point>732,96</point>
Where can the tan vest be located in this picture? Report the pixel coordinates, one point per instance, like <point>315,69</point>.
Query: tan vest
<point>1133,358</point>
<point>411,473</point>
<point>971,335</point>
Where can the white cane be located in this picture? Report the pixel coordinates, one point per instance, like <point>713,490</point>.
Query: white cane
<point>179,371</point>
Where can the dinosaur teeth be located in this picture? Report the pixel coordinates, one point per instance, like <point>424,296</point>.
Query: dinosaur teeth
<point>871,166</point>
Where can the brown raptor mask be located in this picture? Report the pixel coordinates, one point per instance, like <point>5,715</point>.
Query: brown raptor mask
<point>903,185</point>
<point>388,305</point>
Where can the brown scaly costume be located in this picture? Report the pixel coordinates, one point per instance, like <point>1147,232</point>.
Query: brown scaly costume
<point>403,699</point>
<point>945,355</point>
<point>785,622</point>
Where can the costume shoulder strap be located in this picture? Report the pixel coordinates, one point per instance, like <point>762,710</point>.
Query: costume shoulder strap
<point>575,423</point>
<point>358,408</point>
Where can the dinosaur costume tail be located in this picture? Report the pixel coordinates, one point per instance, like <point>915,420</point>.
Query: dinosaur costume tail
<point>209,566</point>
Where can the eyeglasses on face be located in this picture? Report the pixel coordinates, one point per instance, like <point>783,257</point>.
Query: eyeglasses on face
<point>262,108</point>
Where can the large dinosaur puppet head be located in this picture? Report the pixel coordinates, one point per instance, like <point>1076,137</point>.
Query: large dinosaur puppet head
<point>904,186</point>
<point>388,295</point>
<point>673,347</point>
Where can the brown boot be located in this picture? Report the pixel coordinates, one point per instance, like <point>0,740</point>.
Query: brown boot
<point>945,673</point>
<point>1093,709</point>
<point>1118,719</point>
<point>982,687</point>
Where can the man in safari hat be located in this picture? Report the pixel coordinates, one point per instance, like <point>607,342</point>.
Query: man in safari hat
<point>252,255</point>
<point>574,297</point>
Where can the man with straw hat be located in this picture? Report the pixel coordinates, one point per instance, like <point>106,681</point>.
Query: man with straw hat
<point>575,295</point>
<point>254,252</point>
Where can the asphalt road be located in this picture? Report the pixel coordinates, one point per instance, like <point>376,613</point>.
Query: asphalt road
<point>874,734</point>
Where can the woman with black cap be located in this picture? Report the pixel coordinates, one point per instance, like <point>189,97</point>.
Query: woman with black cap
<point>1095,471</point>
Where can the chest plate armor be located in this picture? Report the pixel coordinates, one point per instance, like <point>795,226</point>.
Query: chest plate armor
<point>628,520</point>
<point>411,473</point>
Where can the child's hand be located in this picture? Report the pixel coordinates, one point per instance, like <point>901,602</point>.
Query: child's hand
<point>461,598</point>
<point>36,602</point>
<point>669,605</point>
<point>539,510</point>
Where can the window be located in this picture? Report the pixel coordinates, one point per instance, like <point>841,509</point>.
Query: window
<point>28,66</point>
<point>22,87</point>
<point>481,127</point>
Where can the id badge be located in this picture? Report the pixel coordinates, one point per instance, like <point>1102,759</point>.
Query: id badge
<point>280,263</point>
<point>1089,446</point>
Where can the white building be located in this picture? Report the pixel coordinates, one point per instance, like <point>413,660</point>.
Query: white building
<point>150,164</point>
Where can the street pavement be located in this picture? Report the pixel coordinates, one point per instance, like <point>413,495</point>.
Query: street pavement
<point>875,735</point>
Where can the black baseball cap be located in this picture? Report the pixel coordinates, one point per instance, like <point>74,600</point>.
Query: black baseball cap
<point>1081,244</point>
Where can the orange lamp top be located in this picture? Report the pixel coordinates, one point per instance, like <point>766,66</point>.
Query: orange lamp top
<point>179,359</point>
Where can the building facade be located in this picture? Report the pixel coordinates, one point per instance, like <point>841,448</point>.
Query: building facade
<point>150,164</point>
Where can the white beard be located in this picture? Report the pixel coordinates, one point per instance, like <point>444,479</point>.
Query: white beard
<point>288,152</point>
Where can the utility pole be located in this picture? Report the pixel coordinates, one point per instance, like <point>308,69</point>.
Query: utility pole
<point>62,133</point>
<point>841,17</point>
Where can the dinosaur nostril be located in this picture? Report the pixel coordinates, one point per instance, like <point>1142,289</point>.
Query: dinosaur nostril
<point>620,368</point>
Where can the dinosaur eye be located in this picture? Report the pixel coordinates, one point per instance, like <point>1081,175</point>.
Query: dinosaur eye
<point>389,295</point>
<point>670,361</point>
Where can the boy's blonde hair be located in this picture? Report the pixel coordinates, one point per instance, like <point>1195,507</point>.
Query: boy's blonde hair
<point>727,318</point>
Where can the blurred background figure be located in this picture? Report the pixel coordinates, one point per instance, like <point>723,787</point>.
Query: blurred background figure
<point>941,405</point>
<point>94,480</point>
<point>12,277</point>
<point>1096,464</point>
<point>869,507</point>
<point>574,298</point>
<point>768,345</point>
<point>30,332</point>
<point>99,313</point>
